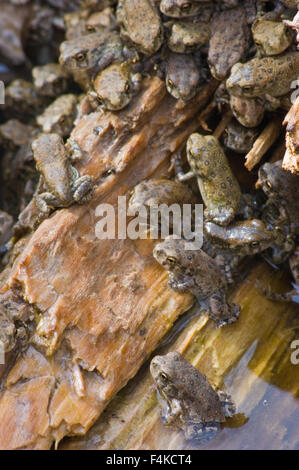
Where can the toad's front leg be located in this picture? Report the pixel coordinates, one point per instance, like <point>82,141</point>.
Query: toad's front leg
<point>46,202</point>
<point>220,215</point>
<point>222,312</point>
<point>173,412</point>
<point>82,189</point>
<point>180,284</point>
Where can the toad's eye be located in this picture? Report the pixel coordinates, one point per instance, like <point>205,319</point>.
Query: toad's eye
<point>247,87</point>
<point>268,184</point>
<point>170,83</point>
<point>90,28</point>
<point>163,376</point>
<point>62,119</point>
<point>171,260</point>
<point>127,87</point>
<point>80,56</point>
<point>254,244</point>
<point>186,6</point>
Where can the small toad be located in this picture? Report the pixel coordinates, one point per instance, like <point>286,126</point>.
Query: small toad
<point>116,85</point>
<point>60,184</point>
<point>195,271</point>
<point>218,187</point>
<point>191,402</point>
<point>59,117</point>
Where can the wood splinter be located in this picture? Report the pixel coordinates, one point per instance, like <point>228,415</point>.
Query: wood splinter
<point>262,144</point>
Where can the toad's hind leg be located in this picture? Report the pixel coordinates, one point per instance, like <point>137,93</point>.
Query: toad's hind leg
<point>228,406</point>
<point>83,189</point>
<point>202,431</point>
<point>222,312</point>
<point>291,296</point>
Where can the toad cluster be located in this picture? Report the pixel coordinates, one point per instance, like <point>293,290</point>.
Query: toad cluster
<point>63,59</point>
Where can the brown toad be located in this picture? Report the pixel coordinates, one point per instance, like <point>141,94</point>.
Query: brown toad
<point>248,111</point>
<point>282,190</point>
<point>60,184</point>
<point>195,271</point>
<point>140,24</point>
<point>183,75</point>
<point>188,35</point>
<point>229,41</point>
<point>184,8</point>
<point>239,138</point>
<point>218,186</point>
<point>160,191</point>
<point>231,244</point>
<point>93,52</point>
<point>271,37</point>
<point>14,134</point>
<point>50,80</point>
<point>266,77</point>
<point>191,402</point>
<point>21,98</point>
<point>116,85</point>
<point>59,117</point>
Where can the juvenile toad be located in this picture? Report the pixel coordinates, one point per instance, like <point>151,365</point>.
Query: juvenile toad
<point>183,76</point>
<point>60,181</point>
<point>160,191</point>
<point>93,52</point>
<point>195,271</point>
<point>239,138</point>
<point>140,24</point>
<point>7,331</point>
<point>188,36</point>
<point>281,210</point>
<point>191,402</point>
<point>229,41</point>
<point>281,188</point>
<point>183,8</point>
<point>152,193</point>
<point>59,117</point>
<point>218,186</point>
<point>14,134</point>
<point>116,85</point>
<point>271,37</point>
<point>50,80</point>
<point>21,98</point>
<point>248,111</point>
<point>266,77</point>
<point>231,244</point>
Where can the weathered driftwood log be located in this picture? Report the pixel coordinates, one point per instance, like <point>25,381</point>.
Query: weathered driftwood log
<point>101,306</point>
<point>291,158</point>
<point>250,359</point>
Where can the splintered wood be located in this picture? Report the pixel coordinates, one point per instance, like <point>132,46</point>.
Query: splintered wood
<point>102,306</point>
<point>291,158</point>
<point>263,143</point>
<point>251,360</point>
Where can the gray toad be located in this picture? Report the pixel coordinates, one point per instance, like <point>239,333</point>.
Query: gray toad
<point>195,271</point>
<point>191,402</point>
<point>60,180</point>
